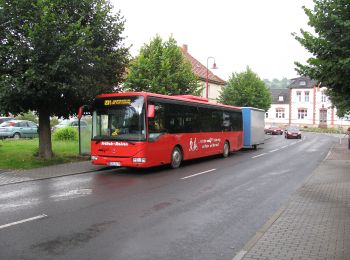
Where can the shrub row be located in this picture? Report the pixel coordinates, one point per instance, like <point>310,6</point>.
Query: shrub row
<point>65,134</point>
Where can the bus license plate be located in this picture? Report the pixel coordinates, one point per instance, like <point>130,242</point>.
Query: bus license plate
<point>114,164</point>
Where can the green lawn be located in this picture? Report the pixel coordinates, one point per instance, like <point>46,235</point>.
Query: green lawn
<point>21,154</point>
<point>323,130</point>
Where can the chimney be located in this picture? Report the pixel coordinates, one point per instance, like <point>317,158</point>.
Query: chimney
<point>185,48</point>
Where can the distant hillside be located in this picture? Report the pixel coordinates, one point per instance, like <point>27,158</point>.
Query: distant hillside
<point>276,83</point>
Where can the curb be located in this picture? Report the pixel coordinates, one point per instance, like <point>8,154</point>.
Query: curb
<point>54,176</point>
<point>249,245</point>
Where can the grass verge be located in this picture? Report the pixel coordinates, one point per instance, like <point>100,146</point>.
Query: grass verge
<point>21,154</point>
<point>323,130</point>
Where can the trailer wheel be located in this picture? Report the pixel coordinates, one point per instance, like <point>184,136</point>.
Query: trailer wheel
<point>176,157</point>
<point>226,151</point>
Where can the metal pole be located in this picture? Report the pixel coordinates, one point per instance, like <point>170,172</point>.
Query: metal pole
<point>207,78</point>
<point>79,136</point>
<point>207,86</point>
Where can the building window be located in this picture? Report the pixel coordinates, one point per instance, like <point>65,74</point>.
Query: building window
<point>279,112</point>
<point>302,113</point>
<point>280,98</point>
<point>302,83</point>
<point>299,96</point>
<point>323,97</point>
<point>307,96</point>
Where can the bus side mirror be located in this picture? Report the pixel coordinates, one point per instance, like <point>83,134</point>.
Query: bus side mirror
<point>150,111</point>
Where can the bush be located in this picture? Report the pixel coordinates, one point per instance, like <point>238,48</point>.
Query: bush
<point>65,134</point>
<point>28,116</point>
<point>54,121</point>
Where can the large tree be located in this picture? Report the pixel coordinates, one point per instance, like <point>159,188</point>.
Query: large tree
<point>330,47</point>
<point>277,84</point>
<point>56,55</point>
<point>161,68</point>
<point>246,89</point>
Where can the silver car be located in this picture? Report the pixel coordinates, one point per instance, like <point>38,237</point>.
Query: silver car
<point>18,129</point>
<point>4,119</point>
<point>72,123</point>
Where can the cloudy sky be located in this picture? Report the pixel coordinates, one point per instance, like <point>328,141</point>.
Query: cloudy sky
<point>237,33</point>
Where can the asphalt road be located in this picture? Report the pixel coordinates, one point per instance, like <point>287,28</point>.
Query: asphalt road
<point>206,209</point>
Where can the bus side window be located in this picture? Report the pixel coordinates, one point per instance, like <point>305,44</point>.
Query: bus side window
<point>236,121</point>
<point>216,121</point>
<point>205,119</point>
<point>226,123</point>
<point>156,125</point>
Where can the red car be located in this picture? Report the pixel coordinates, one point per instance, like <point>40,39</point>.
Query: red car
<point>273,130</point>
<point>292,132</point>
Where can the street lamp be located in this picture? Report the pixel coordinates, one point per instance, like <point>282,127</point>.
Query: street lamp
<point>207,79</point>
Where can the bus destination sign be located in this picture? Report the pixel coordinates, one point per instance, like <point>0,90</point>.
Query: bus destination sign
<point>116,102</point>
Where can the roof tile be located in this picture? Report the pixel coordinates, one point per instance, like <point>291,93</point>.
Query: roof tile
<point>200,70</point>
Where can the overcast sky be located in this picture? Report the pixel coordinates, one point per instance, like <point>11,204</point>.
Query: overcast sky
<point>238,33</point>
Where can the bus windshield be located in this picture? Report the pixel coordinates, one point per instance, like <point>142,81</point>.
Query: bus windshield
<point>119,118</point>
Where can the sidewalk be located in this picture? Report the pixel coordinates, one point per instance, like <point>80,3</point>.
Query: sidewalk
<point>315,224</point>
<point>10,177</point>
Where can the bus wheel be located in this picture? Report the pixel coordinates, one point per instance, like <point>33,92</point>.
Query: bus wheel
<point>176,158</point>
<point>226,151</point>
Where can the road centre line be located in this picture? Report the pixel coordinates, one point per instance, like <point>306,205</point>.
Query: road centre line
<point>190,176</point>
<point>23,221</point>
<point>259,155</point>
<point>275,150</point>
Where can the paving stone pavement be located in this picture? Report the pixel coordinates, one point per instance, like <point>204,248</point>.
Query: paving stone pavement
<point>315,224</point>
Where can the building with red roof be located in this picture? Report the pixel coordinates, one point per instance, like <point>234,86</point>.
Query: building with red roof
<point>215,84</point>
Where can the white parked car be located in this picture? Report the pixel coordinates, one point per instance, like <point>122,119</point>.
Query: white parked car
<point>18,129</point>
<point>70,122</point>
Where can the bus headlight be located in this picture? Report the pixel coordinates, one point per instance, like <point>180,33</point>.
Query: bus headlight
<point>138,160</point>
<point>94,158</point>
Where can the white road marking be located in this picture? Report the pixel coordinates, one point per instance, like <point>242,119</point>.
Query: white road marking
<point>259,155</point>
<point>190,176</point>
<point>275,150</point>
<point>71,194</point>
<point>240,255</point>
<point>23,221</point>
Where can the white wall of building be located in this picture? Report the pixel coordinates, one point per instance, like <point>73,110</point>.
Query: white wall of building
<point>214,91</point>
<point>306,106</point>
<point>275,115</point>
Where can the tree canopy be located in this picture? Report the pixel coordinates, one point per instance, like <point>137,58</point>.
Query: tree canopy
<point>161,68</point>
<point>246,89</point>
<point>56,55</point>
<point>277,84</point>
<point>330,47</point>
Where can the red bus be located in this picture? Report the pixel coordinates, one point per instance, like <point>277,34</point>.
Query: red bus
<point>139,129</point>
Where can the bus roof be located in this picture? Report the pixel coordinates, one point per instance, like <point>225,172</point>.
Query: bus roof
<point>186,98</point>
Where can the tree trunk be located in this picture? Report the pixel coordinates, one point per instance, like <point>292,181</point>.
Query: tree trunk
<point>45,146</point>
